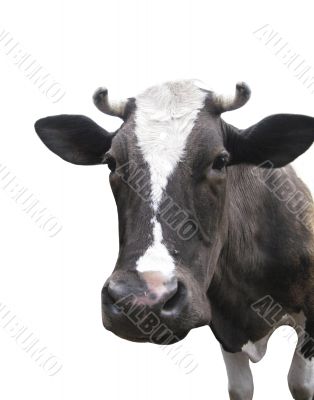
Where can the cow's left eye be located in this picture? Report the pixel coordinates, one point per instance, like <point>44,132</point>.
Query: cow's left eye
<point>221,161</point>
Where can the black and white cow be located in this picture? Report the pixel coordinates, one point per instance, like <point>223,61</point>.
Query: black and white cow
<point>215,227</point>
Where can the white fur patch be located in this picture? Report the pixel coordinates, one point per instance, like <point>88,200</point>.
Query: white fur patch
<point>239,375</point>
<point>301,376</point>
<point>156,256</point>
<point>301,373</point>
<point>165,117</point>
<point>257,350</point>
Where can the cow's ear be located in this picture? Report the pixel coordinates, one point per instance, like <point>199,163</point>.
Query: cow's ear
<point>75,138</point>
<point>278,139</point>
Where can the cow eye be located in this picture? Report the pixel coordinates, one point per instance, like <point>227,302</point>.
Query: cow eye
<point>221,161</point>
<point>110,161</point>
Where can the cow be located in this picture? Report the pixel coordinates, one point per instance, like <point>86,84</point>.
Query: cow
<point>215,226</point>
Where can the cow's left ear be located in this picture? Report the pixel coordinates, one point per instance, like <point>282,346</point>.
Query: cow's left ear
<point>280,139</point>
<point>75,138</point>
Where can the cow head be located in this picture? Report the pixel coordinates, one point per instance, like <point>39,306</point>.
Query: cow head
<point>169,166</point>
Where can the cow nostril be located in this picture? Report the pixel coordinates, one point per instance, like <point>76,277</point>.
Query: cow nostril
<point>176,302</point>
<point>112,296</point>
<point>109,300</point>
<point>113,292</point>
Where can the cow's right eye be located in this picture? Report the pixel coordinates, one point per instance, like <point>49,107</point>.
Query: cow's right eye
<point>221,161</point>
<point>110,161</point>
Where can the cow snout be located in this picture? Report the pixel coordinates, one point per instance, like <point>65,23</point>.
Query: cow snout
<point>153,294</point>
<point>130,299</point>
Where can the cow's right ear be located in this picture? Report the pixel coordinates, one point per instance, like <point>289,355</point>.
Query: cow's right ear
<point>75,138</point>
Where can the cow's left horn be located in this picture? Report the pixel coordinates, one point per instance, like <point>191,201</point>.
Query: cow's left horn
<point>242,95</point>
<point>114,108</point>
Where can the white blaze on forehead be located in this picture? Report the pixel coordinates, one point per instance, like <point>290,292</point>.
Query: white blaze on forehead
<point>165,116</point>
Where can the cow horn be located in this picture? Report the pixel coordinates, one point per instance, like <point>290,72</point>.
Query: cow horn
<point>114,108</point>
<point>241,97</point>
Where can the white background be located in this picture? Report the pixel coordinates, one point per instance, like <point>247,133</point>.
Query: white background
<point>53,284</point>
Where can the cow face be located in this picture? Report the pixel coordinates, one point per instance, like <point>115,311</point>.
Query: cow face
<point>168,173</point>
